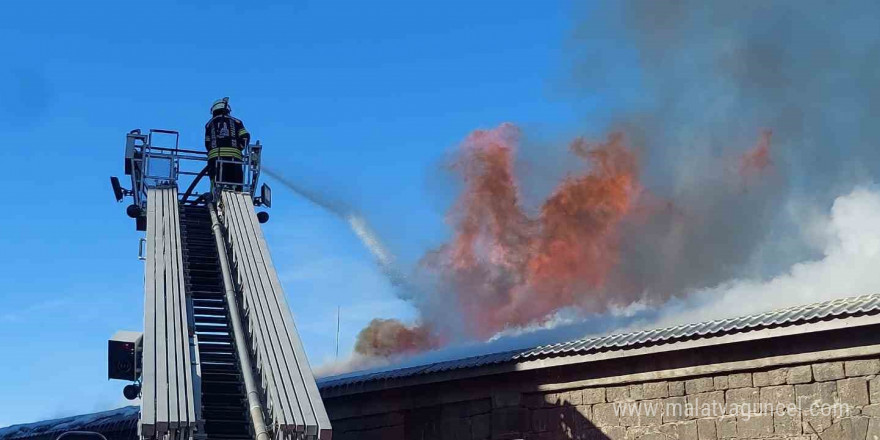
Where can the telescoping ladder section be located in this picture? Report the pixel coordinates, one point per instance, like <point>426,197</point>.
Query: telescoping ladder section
<point>170,378</point>
<point>223,408</point>
<point>293,401</point>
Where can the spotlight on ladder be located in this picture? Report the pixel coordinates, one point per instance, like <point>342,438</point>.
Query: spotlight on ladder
<point>265,197</point>
<point>263,216</point>
<point>118,190</point>
<point>119,193</point>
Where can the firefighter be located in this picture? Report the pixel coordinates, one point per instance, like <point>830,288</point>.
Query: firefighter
<point>225,138</point>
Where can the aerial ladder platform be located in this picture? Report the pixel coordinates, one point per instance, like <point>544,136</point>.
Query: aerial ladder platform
<point>219,356</point>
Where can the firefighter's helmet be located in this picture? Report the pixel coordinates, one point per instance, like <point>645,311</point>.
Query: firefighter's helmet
<point>221,106</point>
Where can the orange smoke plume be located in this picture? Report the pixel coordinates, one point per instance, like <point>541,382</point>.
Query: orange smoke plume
<point>577,246</point>
<point>505,269</point>
<point>390,337</point>
<point>510,270</point>
<point>757,159</point>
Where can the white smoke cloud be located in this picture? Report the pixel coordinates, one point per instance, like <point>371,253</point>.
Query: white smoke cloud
<point>848,267</point>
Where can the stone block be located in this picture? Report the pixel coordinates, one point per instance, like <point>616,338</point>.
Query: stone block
<point>613,432</point>
<point>709,404</point>
<point>853,392</point>
<point>862,367</point>
<point>481,406</point>
<point>699,385</point>
<point>787,423</point>
<point>776,396</point>
<point>676,388</point>
<point>874,392</point>
<point>654,436</point>
<point>533,400</point>
<point>481,427</point>
<point>605,414</point>
<point>563,419</point>
<point>769,378</point>
<point>860,427</point>
<point>828,371</point>
<point>641,433</point>
<point>551,400</point>
<point>504,399</point>
<point>572,398</point>
<point>721,382</point>
<point>636,392</point>
<point>725,427</point>
<point>800,374</point>
<point>635,433</point>
<point>742,400</point>
<point>593,395</point>
<point>617,394</point>
<point>509,422</point>
<point>670,430</point>
<point>584,411</point>
<point>651,412</point>
<point>541,419</point>
<point>426,425</point>
<point>814,422</point>
<point>656,390</point>
<point>873,431</point>
<point>688,430</point>
<point>629,413</point>
<point>454,429</point>
<point>472,407</point>
<point>674,409</point>
<point>841,430</point>
<point>583,427</point>
<point>739,380</point>
<point>815,394</point>
<point>754,426</point>
<point>586,431</point>
<point>706,429</point>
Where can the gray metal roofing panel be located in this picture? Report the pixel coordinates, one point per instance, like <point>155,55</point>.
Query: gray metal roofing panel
<point>107,421</point>
<point>798,315</point>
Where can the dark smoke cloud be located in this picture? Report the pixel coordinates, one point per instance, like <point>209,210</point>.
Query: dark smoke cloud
<point>712,76</point>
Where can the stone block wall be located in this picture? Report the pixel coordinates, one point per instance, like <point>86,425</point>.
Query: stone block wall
<point>837,400</point>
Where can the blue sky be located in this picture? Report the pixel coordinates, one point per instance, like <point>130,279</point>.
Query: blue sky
<point>362,101</point>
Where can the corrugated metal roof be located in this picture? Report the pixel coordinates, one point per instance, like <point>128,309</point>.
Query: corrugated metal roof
<point>122,422</point>
<point>828,310</point>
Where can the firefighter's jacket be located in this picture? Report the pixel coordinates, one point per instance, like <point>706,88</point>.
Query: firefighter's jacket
<point>226,137</point>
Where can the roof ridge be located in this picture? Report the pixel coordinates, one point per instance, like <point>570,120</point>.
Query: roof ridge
<point>718,321</point>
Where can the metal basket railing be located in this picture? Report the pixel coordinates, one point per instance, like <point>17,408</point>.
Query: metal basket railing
<point>156,160</point>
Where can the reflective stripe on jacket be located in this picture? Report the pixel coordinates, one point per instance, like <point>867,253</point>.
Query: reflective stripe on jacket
<point>224,152</point>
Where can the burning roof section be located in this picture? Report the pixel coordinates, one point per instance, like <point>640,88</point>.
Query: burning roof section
<point>792,317</point>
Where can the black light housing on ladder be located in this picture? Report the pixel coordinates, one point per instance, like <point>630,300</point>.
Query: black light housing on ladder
<point>265,198</point>
<point>118,190</point>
